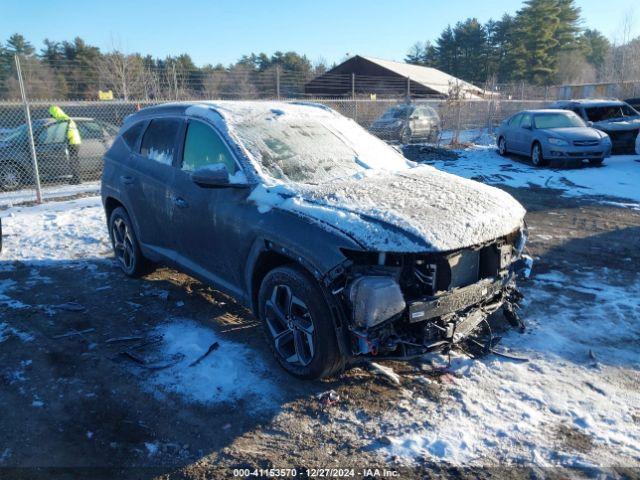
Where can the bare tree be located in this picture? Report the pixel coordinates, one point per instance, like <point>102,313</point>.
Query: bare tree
<point>121,73</point>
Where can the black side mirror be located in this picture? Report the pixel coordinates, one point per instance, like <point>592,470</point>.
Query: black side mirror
<point>212,177</point>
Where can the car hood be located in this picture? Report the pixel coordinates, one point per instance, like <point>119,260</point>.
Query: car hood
<point>630,123</point>
<point>574,133</point>
<point>418,210</point>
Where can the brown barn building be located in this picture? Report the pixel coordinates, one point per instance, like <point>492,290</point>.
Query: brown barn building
<point>372,76</point>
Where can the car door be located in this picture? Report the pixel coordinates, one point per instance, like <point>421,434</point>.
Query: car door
<point>51,150</point>
<point>205,219</point>
<point>92,148</point>
<point>525,134</point>
<point>509,131</point>
<point>146,182</point>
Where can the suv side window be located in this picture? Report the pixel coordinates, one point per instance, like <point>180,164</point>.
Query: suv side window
<point>159,141</point>
<point>131,135</point>
<point>55,133</point>
<point>204,147</point>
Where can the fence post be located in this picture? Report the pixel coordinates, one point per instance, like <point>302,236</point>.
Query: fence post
<point>278,82</point>
<point>27,114</point>
<point>353,97</point>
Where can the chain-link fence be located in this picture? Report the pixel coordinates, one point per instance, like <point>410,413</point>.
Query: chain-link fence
<point>59,163</point>
<point>38,159</point>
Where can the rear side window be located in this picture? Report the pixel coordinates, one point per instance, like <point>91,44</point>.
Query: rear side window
<point>526,121</point>
<point>515,121</point>
<point>90,130</point>
<point>131,135</point>
<point>203,147</point>
<point>158,142</point>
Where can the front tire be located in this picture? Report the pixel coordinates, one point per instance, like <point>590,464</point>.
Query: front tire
<point>125,245</point>
<point>536,155</point>
<point>298,324</point>
<point>405,136</point>
<point>10,176</point>
<point>596,161</point>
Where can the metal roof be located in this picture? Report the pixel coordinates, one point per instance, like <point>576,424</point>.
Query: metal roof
<point>429,77</point>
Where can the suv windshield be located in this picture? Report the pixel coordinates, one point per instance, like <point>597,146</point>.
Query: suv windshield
<point>557,120</point>
<point>609,112</point>
<point>301,147</point>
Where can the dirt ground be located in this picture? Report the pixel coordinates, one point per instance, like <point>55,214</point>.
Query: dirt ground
<point>91,414</point>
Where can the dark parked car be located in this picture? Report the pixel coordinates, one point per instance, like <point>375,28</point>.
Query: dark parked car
<point>634,102</point>
<point>616,118</point>
<point>50,138</point>
<point>552,136</point>
<point>408,124</point>
<point>336,242</point>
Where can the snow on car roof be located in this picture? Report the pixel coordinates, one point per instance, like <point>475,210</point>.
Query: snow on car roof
<point>590,102</point>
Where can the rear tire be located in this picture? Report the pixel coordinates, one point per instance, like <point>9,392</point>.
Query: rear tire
<point>502,146</point>
<point>125,245</point>
<point>536,155</point>
<point>298,324</point>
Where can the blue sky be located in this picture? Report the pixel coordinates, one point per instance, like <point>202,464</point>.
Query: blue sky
<point>220,31</point>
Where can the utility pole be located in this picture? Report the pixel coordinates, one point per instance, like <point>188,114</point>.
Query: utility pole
<point>278,82</point>
<point>408,89</point>
<point>27,115</point>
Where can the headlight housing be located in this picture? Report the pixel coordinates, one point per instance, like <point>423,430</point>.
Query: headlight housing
<point>558,142</point>
<point>375,299</point>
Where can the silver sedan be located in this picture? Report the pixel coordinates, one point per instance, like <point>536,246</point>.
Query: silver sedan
<point>552,136</point>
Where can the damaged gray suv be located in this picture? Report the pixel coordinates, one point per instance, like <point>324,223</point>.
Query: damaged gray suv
<point>341,246</point>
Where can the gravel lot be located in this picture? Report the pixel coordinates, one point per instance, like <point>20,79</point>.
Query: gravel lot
<point>73,399</point>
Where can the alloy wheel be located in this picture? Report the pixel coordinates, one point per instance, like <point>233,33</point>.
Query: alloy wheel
<point>290,326</point>
<point>9,177</point>
<point>502,147</point>
<point>123,244</point>
<point>536,155</point>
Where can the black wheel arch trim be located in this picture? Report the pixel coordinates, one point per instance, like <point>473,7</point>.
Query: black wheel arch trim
<point>264,247</point>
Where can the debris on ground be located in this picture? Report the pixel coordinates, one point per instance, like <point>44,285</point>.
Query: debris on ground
<point>73,333</point>
<point>385,372</point>
<point>214,346</point>
<point>123,339</point>
<point>425,153</point>
<point>69,307</point>
<point>328,398</point>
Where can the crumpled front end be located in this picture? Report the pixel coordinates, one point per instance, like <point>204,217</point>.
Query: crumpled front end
<point>401,305</point>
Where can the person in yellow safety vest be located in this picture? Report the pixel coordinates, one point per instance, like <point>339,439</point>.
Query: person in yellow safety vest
<point>73,140</point>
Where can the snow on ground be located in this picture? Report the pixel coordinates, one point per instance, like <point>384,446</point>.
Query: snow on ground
<point>619,177</point>
<point>69,230</point>
<point>582,377</point>
<point>227,374</point>
<point>582,341</point>
<point>75,230</point>
<point>7,199</point>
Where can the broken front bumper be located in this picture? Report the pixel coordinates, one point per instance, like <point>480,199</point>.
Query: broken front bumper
<point>435,322</point>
